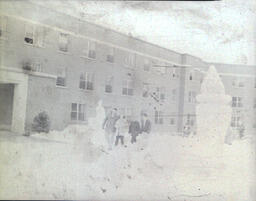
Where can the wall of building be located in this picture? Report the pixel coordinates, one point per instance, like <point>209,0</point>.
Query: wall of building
<point>17,52</point>
<point>44,95</point>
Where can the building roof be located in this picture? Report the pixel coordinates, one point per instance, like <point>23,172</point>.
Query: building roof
<point>235,69</point>
<point>71,23</point>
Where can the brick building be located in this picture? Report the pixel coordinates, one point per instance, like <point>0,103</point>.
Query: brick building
<point>59,64</point>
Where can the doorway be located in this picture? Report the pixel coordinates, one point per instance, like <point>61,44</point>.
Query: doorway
<point>6,106</point>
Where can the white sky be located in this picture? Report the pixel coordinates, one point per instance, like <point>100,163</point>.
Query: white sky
<point>221,31</point>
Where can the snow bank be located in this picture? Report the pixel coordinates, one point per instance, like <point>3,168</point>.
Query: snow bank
<point>71,165</point>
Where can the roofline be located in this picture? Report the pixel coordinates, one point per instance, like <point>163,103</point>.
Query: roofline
<point>123,34</point>
<point>106,28</point>
<point>228,64</point>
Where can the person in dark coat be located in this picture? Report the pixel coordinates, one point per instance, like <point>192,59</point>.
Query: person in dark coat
<point>134,130</point>
<point>109,125</point>
<point>145,125</point>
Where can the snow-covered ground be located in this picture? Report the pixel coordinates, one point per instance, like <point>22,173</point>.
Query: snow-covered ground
<point>69,165</point>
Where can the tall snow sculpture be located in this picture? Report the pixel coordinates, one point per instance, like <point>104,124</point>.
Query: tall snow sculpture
<point>213,111</point>
<point>95,123</point>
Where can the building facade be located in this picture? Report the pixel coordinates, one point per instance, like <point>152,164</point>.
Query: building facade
<point>62,65</point>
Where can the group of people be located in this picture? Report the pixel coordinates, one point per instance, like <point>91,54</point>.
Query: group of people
<point>120,129</point>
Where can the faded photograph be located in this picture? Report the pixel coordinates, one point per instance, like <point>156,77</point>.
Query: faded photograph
<point>127,100</point>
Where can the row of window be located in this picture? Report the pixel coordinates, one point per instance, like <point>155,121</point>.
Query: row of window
<point>78,113</point>
<point>87,82</point>
<point>35,35</point>
<point>236,121</point>
<point>236,101</point>
<point>236,82</point>
<point>160,118</point>
<point>239,83</point>
<point>237,118</point>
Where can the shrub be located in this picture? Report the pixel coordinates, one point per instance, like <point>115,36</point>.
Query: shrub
<point>41,123</point>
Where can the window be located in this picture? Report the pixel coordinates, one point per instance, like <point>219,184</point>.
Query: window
<point>89,50</point>
<point>3,27</point>
<point>130,60</point>
<point>236,121</point>
<point>147,64</point>
<point>159,117</point>
<point>191,75</point>
<point>63,42</point>
<point>109,84</point>
<point>237,83</point>
<point>61,77</point>
<point>174,94</point>
<point>86,81</point>
<point>37,67</point>
<point>237,102</point>
<point>190,120</point>
<point>29,34</point>
<point>241,84</point>
<point>172,121</point>
<point>78,111</point>
<point>145,91</point>
<point>191,97</point>
<point>34,35</point>
<point>92,49</point>
<point>128,87</point>
<point>175,72</point>
<point>110,55</point>
<point>160,93</point>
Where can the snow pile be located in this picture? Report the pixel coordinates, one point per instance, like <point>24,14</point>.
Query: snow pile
<point>67,135</point>
<point>157,167</point>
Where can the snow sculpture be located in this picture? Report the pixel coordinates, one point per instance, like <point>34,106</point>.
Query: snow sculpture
<point>213,112</point>
<point>95,123</point>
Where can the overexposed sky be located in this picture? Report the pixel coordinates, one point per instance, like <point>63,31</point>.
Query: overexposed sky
<point>217,31</point>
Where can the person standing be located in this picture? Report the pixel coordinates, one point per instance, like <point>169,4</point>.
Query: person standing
<point>121,129</point>
<point>145,124</point>
<point>134,130</point>
<point>109,126</point>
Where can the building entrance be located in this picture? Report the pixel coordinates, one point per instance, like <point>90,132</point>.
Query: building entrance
<point>6,106</point>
